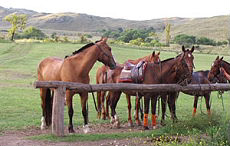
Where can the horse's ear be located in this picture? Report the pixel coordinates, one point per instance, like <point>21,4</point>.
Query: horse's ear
<point>104,39</point>
<point>183,48</point>
<point>158,53</point>
<point>192,48</point>
<point>153,54</point>
<point>221,58</point>
<point>217,57</point>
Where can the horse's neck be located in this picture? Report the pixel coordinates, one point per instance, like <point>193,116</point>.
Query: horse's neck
<point>226,66</point>
<point>163,70</point>
<point>87,59</point>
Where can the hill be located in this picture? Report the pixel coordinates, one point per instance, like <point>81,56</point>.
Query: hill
<point>213,27</point>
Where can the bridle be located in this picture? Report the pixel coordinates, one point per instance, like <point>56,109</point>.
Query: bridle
<point>104,53</point>
<point>185,76</point>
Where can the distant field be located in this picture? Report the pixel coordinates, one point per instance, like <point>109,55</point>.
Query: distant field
<point>20,102</point>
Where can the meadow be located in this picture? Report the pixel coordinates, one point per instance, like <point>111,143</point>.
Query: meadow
<point>20,102</point>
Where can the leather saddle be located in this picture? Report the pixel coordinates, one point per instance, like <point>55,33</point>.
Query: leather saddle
<point>132,73</point>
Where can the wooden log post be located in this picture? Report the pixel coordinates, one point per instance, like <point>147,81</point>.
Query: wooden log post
<point>58,111</point>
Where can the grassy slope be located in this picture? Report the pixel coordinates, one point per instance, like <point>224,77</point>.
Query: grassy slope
<point>20,102</point>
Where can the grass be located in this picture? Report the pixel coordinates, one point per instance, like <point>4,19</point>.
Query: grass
<point>20,102</point>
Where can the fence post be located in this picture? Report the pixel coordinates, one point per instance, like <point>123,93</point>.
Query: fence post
<point>58,111</point>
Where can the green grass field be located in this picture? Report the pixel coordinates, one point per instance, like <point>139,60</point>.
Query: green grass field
<point>20,102</point>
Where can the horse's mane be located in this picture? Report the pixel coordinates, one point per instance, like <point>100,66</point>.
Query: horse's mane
<point>226,62</point>
<point>82,48</point>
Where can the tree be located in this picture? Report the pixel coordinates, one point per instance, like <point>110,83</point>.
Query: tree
<point>184,39</point>
<point>168,36</point>
<point>32,32</point>
<point>17,22</point>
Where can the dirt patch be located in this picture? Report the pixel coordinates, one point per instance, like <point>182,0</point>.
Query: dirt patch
<point>19,137</point>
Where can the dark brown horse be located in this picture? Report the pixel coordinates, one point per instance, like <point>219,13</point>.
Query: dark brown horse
<point>74,68</point>
<point>172,70</point>
<point>104,75</point>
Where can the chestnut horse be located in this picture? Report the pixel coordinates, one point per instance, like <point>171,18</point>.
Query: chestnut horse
<point>74,68</point>
<point>104,75</point>
<point>172,70</point>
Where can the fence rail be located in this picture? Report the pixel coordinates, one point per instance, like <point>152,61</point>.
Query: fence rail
<point>60,89</point>
<point>129,86</point>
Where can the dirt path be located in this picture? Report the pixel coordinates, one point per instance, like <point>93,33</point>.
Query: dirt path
<point>19,137</point>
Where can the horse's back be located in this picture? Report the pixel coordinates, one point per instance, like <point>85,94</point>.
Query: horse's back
<point>49,69</point>
<point>200,77</point>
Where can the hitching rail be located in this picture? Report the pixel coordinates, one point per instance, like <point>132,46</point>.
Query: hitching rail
<point>60,89</point>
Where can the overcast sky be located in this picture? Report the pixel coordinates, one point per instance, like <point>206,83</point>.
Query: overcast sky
<point>127,9</point>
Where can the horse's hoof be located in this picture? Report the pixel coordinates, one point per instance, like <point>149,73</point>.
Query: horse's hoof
<point>146,128</point>
<point>71,129</point>
<point>43,124</point>
<point>86,129</point>
<point>138,122</point>
<point>130,124</point>
<point>163,123</point>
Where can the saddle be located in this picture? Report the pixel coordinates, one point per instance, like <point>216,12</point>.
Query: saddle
<point>133,73</point>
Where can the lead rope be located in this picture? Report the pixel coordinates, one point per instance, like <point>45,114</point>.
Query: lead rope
<point>95,105</point>
<point>220,96</point>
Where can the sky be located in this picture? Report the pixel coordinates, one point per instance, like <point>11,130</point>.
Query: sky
<point>127,9</point>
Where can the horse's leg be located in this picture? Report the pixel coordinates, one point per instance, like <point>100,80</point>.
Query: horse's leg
<point>84,100</point>
<point>115,98</point>
<point>69,99</point>
<point>163,107</point>
<point>130,123</point>
<point>99,104</point>
<point>195,105</point>
<point>46,105</point>
<point>172,97</point>
<point>107,105</point>
<point>146,110</point>
<point>138,122</point>
<point>154,116</point>
<point>102,105</point>
<point>207,99</point>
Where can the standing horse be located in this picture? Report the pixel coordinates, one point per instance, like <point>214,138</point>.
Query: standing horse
<point>201,77</point>
<point>172,70</point>
<point>74,68</point>
<point>107,76</point>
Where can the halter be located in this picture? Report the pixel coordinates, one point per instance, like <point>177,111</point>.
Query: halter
<point>184,80</point>
<point>104,53</point>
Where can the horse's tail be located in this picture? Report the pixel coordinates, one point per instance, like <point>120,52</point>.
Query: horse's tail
<point>48,107</point>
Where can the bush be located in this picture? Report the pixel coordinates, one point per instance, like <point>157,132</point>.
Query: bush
<point>205,41</point>
<point>32,33</point>
<point>184,39</point>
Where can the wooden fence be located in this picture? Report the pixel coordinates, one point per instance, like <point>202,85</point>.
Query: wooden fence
<point>60,89</point>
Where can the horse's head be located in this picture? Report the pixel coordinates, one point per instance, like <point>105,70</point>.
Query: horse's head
<point>185,65</point>
<point>105,56</point>
<point>215,69</point>
<point>155,57</point>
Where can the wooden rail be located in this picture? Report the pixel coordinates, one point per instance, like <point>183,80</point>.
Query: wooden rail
<point>60,89</point>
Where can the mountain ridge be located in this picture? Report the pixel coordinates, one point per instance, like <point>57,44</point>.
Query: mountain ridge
<point>213,27</point>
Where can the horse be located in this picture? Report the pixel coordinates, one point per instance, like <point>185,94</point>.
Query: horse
<point>172,70</point>
<point>74,68</point>
<point>218,65</point>
<point>108,76</point>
